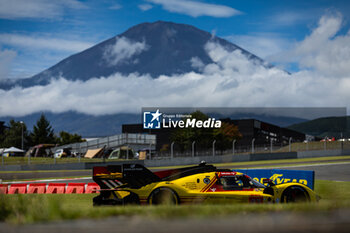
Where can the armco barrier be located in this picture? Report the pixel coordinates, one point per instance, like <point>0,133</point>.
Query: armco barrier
<point>58,188</point>
<point>37,188</point>
<point>92,188</point>
<point>3,188</point>
<point>51,188</point>
<point>75,188</point>
<point>17,189</point>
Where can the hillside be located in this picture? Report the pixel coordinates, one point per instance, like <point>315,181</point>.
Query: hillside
<point>327,126</point>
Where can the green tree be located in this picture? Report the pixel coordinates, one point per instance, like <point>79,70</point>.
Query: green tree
<point>43,132</point>
<point>67,138</point>
<point>183,137</point>
<point>225,135</point>
<point>204,137</point>
<point>13,135</point>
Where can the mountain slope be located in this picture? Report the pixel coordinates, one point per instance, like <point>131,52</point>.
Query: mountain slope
<point>159,48</point>
<point>326,126</point>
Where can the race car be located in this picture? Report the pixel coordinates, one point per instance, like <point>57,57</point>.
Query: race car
<point>135,184</point>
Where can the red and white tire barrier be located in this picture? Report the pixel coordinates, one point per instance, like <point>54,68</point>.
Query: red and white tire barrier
<point>49,188</point>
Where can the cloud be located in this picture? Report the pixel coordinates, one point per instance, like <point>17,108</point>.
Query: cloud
<point>196,9</point>
<point>145,7</point>
<point>115,7</point>
<point>261,44</point>
<point>6,60</point>
<point>197,63</point>
<point>123,50</point>
<point>35,42</point>
<point>232,80</point>
<point>289,18</point>
<point>325,50</point>
<point>41,9</point>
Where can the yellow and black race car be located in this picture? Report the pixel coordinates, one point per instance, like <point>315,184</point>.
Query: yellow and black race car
<point>135,184</point>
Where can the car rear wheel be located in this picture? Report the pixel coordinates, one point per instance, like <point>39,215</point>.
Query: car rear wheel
<point>163,196</point>
<point>294,194</point>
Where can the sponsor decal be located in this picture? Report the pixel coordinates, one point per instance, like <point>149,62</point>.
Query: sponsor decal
<point>206,180</point>
<point>280,176</point>
<point>279,179</point>
<point>227,174</point>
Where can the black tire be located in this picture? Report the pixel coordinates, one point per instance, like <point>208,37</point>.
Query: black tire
<point>294,194</point>
<point>163,196</point>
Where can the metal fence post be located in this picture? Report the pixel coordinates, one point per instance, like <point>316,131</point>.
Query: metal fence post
<point>150,151</point>
<point>233,146</point>
<point>194,142</point>
<point>172,150</point>
<point>270,145</point>
<point>253,145</point>
<point>79,153</point>
<point>290,145</point>
<point>214,147</point>
<point>127,151</point>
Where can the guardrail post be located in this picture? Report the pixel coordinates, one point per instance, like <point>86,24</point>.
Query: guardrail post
<point>233,146</point>
<point>194,142</point>
<point>253,145</point>
<point>214,147</point>
<point>172,150</point>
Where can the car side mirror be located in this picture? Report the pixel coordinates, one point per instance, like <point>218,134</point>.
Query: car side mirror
<point>269,182</point>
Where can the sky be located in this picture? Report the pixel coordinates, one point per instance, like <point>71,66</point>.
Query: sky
<point>309,39</point>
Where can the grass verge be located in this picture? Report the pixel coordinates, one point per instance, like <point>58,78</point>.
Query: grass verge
<point>19,209</point>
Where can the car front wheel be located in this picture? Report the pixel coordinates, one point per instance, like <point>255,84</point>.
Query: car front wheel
<point>294,194</point>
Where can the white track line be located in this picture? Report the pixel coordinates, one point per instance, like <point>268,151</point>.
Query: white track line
<point>309,165</point>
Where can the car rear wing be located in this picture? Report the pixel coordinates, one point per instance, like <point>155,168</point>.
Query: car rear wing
<point>125,175</point>
<point>280,176</point>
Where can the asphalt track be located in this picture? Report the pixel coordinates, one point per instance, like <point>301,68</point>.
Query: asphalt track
<point>335,170</point>
<point>285,222</point>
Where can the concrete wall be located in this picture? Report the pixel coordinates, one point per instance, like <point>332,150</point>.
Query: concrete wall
<point>64,166</point>
<point>319,153</point>
<point>197,160</point>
